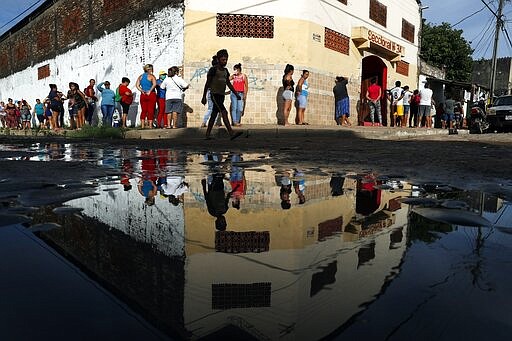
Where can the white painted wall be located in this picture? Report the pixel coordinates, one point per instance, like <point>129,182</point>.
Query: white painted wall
<point>162,225</point>
<point>157,40</point>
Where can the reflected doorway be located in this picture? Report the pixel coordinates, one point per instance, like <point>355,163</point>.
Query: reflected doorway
<point>373,66</point>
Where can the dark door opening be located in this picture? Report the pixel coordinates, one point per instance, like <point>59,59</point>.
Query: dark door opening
<point>373,66</point>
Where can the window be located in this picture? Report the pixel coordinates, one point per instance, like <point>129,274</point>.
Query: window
<point>378,12</point>
<point>402,68</point>
<point>241,242</point>
<point>407,31</point>
<point>232,296</point>
<point>245,26</point>
<point>43,71</point>
<point>337,41</point>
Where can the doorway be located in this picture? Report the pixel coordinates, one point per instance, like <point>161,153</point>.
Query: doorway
<point>373,66</point>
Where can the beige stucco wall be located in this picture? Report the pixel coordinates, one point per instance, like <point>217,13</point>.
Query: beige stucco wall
<point>263,60</point>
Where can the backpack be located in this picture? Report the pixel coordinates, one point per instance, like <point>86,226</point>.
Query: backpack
<point>118,96</point>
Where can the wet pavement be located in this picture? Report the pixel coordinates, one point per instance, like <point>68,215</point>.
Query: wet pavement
<point>127,243</point>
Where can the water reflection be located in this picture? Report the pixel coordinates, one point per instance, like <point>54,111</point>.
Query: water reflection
<point>222,244</point>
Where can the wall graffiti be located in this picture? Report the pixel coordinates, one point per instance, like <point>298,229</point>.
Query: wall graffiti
<point>255,83</point>
<point>198,73</point>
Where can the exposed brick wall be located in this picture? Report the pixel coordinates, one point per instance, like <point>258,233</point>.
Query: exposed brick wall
<point>65,25</point>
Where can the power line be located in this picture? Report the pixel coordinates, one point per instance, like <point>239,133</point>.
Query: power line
<point>22,13</point>
<point>489,26</point>
<point>467,17</point>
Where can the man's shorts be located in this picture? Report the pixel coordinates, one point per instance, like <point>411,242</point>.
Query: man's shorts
<point>399,110</point>
<point>407,109</point>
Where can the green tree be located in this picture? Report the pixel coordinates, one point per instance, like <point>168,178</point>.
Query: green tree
<point>444,47</point>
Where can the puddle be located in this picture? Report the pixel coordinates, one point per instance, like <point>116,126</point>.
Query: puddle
<point>235,246</point>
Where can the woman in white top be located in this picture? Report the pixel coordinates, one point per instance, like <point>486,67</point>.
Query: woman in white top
<point>175,86</point>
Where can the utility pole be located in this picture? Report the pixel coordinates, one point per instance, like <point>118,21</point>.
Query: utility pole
<point>499,26</point>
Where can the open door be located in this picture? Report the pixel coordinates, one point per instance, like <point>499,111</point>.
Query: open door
<point>373,66</point>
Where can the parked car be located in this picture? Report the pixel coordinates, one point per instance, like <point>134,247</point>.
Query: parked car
<point>499,114</point>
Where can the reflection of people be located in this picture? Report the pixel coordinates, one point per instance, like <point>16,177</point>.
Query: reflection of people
<point>237,181</point>
<point>148,190</point>
<point>147,186</point>
<point>368,196</point>
<point>126,175</point>
<point>299,186</point>
<point>336,184</point>
<point>283,180</point>
<point>216,200</point>
<point>174,188</point>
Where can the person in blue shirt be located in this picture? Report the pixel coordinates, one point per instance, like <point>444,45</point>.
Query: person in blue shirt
<point>107,102</point>
<point>301,94</point>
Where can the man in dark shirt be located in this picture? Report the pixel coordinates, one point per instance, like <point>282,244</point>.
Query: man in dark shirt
<point>342,101</point>
<point>217,201</point>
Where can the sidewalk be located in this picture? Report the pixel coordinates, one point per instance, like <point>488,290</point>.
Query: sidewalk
<point>264,131</point>
<point>274,131</point>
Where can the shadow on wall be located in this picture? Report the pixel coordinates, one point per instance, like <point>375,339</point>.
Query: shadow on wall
<point>280,106</point>
<point>132,114</point>
<point>183,119</point>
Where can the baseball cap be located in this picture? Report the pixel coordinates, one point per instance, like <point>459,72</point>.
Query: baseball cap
<point>162,73</point>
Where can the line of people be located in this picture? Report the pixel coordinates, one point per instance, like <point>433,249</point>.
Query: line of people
<point>408,109</point>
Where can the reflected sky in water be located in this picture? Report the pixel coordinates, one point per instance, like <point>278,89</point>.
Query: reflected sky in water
<point>219,245</point>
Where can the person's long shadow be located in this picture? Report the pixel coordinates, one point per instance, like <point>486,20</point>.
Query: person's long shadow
<point>280,106</point>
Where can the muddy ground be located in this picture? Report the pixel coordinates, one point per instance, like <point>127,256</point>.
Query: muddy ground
<point>465,161</point>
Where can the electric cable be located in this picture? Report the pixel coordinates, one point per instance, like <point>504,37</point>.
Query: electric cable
<point>19,15</point>
<point>489,38</point>
<point>467,17</point>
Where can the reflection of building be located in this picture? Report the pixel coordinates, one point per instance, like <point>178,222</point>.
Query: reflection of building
<point>356,39</point>
<point>310,279</point>
<point>299,273</point>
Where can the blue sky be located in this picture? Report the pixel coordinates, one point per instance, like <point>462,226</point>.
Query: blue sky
<point>439,11</point>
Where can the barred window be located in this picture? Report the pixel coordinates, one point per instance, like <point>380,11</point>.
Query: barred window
<point>245,26</point>
<point>232,296</point>
<point>407,31</point>
<point>402,68</point>
<point>378,12</point>
<point>43,71</point>
<point>336,41</point>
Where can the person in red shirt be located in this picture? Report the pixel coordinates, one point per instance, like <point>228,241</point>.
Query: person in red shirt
<point>126,98</point>
<point>373,95</point>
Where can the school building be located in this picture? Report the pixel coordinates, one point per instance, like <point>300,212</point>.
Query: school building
<point>63,41</point>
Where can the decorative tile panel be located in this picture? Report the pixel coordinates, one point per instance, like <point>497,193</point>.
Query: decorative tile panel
<point>245,26</point>
<point>336,41</point>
